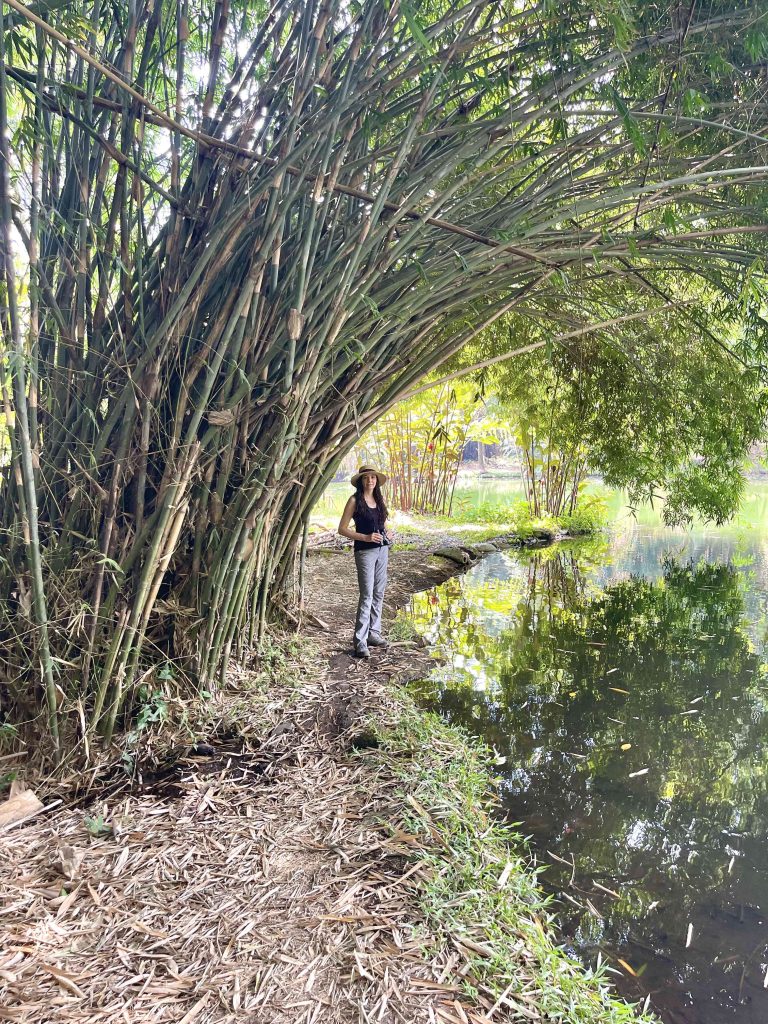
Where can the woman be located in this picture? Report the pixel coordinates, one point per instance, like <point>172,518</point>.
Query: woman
<point>366,507</point>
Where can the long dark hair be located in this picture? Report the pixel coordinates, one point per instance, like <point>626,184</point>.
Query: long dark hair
<point>378,497</point>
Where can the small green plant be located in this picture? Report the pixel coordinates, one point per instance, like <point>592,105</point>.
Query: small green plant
<point>97,825</point>
<point>166,673</point>
<point>402,629</point>
<point>154,709</point>
<point>526,525</point>
<point>7,731</point>
<point>271,653</point>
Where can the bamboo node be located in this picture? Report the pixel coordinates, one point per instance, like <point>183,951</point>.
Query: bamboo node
<point>221,417</point>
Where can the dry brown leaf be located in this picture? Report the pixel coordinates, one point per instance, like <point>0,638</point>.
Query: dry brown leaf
<point>21,805</point>
<point>70,859</point>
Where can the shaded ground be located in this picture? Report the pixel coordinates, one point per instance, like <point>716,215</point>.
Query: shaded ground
<point>263,878</point>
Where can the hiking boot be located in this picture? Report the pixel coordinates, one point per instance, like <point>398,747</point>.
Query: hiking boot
<point>377,641</point>
<point>362,652</point>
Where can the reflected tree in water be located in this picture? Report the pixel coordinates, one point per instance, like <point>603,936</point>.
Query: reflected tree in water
<point>632,724</point>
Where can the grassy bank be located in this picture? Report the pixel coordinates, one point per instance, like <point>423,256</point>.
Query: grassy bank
<point>476,511</point>
<point>488,499</point>
<point>478,891</point>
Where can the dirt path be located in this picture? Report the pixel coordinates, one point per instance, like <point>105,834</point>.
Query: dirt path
<point>265,880</point>
<point>331,587</point>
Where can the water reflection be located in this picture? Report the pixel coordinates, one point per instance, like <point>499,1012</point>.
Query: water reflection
<point>630,710</point>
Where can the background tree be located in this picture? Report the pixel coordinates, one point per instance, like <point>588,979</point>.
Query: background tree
<point>665,401</point>
<point>420,444</point>
<point>234,234</point>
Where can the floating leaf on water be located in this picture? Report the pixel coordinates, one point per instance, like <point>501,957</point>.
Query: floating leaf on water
<point>652,906</point>
<point>618,689</point>
<point>560,860</point>
<point>643,771</point>
<point>626,967</point>
<point>626,746</point>
<point>573,693</point>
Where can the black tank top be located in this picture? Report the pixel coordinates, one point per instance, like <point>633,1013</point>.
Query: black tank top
<point>367,520</point>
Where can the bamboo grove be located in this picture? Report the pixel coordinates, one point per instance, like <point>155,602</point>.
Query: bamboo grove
<point>234,233</point>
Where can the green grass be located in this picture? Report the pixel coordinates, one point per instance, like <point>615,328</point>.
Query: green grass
<point>402,628</point>
<point>487,506</point>
<point>495,495</point>
<point>424,528</point>
<point>480,886</point>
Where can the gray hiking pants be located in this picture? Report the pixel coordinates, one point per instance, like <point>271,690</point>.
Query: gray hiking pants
<point>372,580</point>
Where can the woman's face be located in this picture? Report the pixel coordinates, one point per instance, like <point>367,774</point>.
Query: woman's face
<point>369,482</point>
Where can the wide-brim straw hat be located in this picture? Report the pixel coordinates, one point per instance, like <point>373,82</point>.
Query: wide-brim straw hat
<point>381,477</point>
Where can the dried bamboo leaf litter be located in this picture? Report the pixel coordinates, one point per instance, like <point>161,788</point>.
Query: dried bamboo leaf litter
<point>269,897</point>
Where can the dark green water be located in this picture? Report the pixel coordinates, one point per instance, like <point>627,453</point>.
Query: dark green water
<point>624,687</point>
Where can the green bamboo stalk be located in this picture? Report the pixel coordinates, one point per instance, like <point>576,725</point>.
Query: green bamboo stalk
<point>25,446</point>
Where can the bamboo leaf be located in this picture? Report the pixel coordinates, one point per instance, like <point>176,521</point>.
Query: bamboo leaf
<point>414,25</point>
<point>631,125</point>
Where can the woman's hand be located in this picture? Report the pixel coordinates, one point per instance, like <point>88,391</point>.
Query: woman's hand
<point>375,538</point>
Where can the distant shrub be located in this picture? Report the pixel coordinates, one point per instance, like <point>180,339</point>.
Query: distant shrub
<point>589,516</point>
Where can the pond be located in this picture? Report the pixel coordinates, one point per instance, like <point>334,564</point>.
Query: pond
<point>623,685</point>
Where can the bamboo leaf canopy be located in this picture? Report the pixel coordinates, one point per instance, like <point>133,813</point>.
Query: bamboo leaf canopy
<point>234,233</point>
